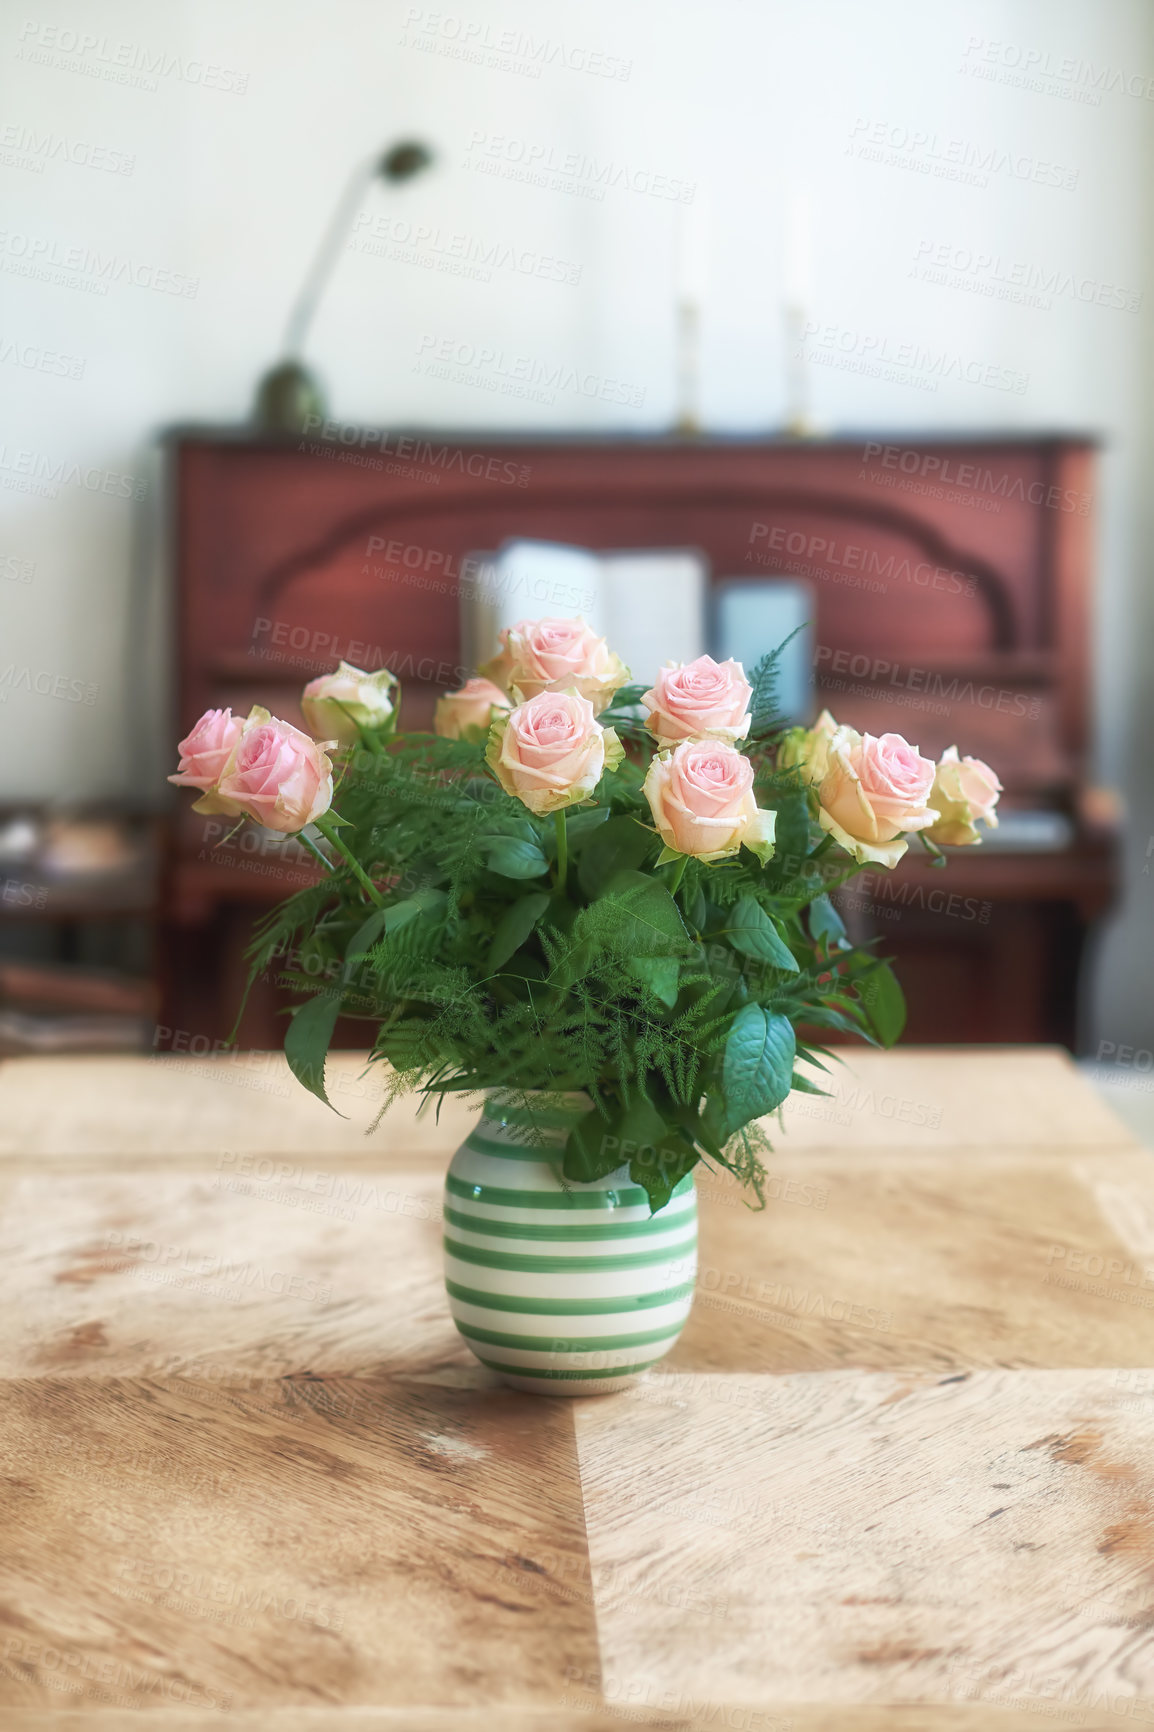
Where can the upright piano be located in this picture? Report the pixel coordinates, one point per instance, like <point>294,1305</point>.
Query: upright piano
<point>952,581</point>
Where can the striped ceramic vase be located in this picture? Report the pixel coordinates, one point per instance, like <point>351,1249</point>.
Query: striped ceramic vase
<point>561,1288</point>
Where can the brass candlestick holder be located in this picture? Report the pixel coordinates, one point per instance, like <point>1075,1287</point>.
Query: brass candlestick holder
<point>799,423</point>
<point>688,422</point>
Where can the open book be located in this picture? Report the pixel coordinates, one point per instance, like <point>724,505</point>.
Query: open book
<point>652,604</point>
<point>649,602</point>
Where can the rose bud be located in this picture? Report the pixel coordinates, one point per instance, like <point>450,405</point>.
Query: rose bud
<point>873,791</point>
<point>277,776</point>
<point>467,714</point>
<point>807,749</point>
<point>965,794</point>
<point>338,706</point>
<point>699,700</point>
<point>701,798</point>
<point>553,655</point>
<point>551,752</point>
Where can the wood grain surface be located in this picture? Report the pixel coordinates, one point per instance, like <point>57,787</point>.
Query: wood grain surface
<point>898,1473</point>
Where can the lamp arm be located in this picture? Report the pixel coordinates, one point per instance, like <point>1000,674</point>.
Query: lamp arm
<point>326,257</point>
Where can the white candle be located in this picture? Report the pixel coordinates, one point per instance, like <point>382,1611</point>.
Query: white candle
<point>692,248</point>
<point>798,248</point>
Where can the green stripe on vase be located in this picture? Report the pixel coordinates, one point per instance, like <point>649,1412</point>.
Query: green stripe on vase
<point>576,1307</point>
<point>616,1262</point>
<point>566,1232</point>
<point>518,1263</point>
<point>570,1374</point>
<point>583,1344</point>
<point>572,1197</point>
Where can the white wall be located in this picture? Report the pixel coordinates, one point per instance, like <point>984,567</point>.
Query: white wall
<point>749,99</point>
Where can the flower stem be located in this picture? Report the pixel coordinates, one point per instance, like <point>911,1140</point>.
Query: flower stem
<point>937,858</point>
<point>333,835</point>
<point>842,878</point>
<point>678,875</point>
<point>562,849</point>
<point>313,849</point>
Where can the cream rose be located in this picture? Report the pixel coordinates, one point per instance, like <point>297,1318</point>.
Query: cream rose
<point>965,794</point>
<point>337,706</point>
<point>551,752</point>
<point>468,713</point>
<point>699,700</point>
<point>807,749</point>
<point>701,797</point>
<point>873,790</point>
<point>498,668</point>
<point>553,655</point>
<point>276,775</point>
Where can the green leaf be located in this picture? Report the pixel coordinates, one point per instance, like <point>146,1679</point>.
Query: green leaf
<point>515,925</point>
<point>825,1016</point>
<point>697,910</point>
<point>646,918</point>
<point>593,1149</point>
<point>802,1085</point>
<point>709,1132</point>
<point>620,843</point>
<point>635,917</point>
<point>758,1065</point>
<point>403,1042</point>
<point>659,1156</point>
<point>392,919</point>
<point>791,833</point>
<point>367,933</point>
<point>825,923</point>
<point>511,857</point>
<point>575,964</point>
<point>307,1039</point>
<point>582,824</point>
<point>659,974</point>
<point>884,1002</point>
<point>750,930</point>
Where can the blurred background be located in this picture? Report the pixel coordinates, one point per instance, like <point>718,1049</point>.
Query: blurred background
<point>352,332</point>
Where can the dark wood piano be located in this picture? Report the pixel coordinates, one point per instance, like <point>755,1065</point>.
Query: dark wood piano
<point>952,582</point>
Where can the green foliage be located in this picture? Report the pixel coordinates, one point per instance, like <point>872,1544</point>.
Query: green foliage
<point>307,1041</point>
<point>515,925</point>
<point>884,1002</point>
<point>763,704</point>
<point>679,998</point>
<point>752,932</point>
<point>758,1068</point>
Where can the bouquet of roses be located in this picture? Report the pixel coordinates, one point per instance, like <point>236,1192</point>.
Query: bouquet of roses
<point>577,884</point>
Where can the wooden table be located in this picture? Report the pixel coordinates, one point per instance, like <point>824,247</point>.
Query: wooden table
<point>899,1471</point>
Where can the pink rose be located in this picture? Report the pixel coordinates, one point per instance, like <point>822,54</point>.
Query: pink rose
<point>701,797</point>
<point>550,752</point>
<point>206,750</point>
<point>277,776</point>
<point>965,794</point>
<point>699,700</point>
<point>467,714</point>
<point>552,655</point>
<point>874,789</point>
